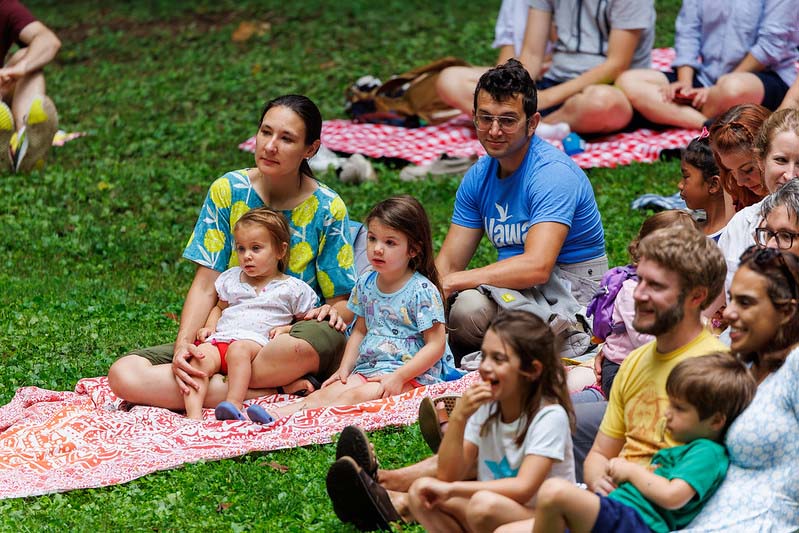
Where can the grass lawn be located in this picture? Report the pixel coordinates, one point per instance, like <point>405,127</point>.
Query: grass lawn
<point>91,246</point>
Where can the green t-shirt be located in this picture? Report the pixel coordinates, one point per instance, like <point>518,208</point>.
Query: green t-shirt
<point>701,463</point>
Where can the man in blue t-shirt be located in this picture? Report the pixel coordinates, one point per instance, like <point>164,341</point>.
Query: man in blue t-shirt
<point>529,199</point>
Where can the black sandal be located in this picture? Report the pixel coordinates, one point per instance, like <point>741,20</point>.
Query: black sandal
<point>357,498</point>
<point>354,443</point>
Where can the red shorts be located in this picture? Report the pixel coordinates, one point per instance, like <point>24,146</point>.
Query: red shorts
<point>222,347</point>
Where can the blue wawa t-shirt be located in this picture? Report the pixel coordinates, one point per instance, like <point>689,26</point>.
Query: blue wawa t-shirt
<point>547,187</point>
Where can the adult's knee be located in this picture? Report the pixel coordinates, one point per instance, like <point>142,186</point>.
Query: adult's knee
<point>469,317</point>
<point>481,511</point>
<point>601,108</point>
<point>638,87</point>
<point>450,83</point>
<point>123,375</point>
<point>733,89</point>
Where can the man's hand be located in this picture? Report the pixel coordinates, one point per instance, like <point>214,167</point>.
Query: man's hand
<point>11,73</point>
<point>603,486</point>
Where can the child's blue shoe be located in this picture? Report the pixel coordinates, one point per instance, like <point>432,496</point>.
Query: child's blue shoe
<point>259,415</point>
<point>228,411</point>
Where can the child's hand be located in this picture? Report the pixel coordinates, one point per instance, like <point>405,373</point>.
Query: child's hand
<point>339,375</point>
<point>280,330</point>
<point>475,396</point>
<point>434,492</point>
<point>391,383</point>
<point>620,469</point>
<point>204,333</point>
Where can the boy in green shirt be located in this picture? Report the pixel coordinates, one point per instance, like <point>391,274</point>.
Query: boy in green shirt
<point>706,393</point>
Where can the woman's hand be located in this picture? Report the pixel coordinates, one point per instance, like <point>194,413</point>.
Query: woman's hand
<point>280,330</point>
<point>670,91</point>
<point>182,369</point>
<point>475,396</point>
<point>327,311</point>
<point>391,384</point>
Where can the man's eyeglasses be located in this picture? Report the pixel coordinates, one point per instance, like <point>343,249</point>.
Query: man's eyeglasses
<point>507,124</point>
<point>784,239</point>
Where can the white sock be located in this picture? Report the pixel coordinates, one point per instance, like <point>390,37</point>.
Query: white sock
<point>555,132</point>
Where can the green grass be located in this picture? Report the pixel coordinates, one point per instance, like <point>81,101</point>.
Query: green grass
<point>91,247</point>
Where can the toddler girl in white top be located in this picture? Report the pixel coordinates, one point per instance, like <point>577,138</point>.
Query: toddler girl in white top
<point>256,299</point>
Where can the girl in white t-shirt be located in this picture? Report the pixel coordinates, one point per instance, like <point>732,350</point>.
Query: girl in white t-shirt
<point>513,428</point>
<point>256,302</point>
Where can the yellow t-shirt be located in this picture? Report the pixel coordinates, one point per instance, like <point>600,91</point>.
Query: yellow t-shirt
<point>638,401</point>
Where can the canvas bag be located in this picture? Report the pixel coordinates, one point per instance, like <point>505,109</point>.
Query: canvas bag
<point>407,99</point>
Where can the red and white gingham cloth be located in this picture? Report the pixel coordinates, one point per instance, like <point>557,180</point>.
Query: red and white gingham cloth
<point>457,138</point>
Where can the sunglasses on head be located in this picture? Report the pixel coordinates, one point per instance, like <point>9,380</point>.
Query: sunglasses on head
<point>764,257</point>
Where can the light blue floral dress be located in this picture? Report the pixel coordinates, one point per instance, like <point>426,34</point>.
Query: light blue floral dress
<point>395,326</point>
<point>761,490</point>
<point>320,254</point>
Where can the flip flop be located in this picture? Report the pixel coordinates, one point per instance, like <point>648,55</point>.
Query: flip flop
<point>431,418</point>
<point>357,498</point>
<point>354,443</point>
<point>228,411</point>
<point>315,383</point>
<point>259,415</point>
<point>429,424</point>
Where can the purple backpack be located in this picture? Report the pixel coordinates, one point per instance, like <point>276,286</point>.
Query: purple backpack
<point>601,306</point>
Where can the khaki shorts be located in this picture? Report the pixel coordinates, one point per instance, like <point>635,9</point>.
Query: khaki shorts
<point>326,341</point>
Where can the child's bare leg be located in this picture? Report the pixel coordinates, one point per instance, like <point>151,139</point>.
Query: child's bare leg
<point>356,390</point>
<point>208,364</point>
<point>515,527</point>
<point>444,516</point>
<point>488,510</point>
<point>563,504</point>
<point>239,369</point>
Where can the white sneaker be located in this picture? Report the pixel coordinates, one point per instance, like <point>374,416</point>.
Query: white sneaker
<point>324,159</point>
<point>553,132</point>
<point>449,165</point>
<point>357,169</point>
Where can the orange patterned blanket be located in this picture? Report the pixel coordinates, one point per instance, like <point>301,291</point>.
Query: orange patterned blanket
<point>58,441</point>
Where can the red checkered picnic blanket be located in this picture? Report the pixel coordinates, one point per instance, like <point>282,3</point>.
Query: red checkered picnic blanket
<point>58,441</point>
<point>457,138</point>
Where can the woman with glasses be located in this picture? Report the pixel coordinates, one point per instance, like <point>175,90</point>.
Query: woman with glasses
<point>761,491</point>
<point>779,227</point>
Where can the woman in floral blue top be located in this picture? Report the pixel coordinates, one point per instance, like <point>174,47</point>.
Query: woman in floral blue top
<point>321,255</point>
